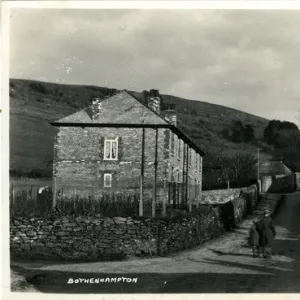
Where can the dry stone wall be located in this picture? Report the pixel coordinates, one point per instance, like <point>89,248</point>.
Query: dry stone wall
<point>225,195</point>
<point>97,238</point>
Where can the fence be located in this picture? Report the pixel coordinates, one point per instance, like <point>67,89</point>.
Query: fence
<point>31,191</point>
<point>108,205</point>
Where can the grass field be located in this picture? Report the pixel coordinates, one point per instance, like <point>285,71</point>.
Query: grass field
<point>33,105</point>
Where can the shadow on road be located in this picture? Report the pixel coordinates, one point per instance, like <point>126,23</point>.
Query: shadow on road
<point>57,282</point>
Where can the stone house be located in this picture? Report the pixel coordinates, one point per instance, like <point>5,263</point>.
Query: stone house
<point>127,145</point>
<point>273,168</point>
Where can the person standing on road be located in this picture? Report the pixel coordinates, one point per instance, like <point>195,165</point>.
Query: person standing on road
<point>254,239</point>
<point>267,234</point>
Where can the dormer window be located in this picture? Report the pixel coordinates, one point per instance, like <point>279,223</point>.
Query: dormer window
<point>111,149</point>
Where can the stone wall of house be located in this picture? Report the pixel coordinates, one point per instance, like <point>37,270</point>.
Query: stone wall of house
<point>280,183</point>
<point>297,181</point>
<point>97,238</point>
<point>79,164</point>
<point>266,182</point>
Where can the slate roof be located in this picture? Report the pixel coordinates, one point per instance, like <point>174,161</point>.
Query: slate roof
<point>272,168</point>
<point>121,108</point>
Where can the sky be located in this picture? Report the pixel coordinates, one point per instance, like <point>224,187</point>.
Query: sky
<point>247,60</point>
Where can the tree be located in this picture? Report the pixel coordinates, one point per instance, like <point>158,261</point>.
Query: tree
<point>287,138</point>
<point>274,127</point>
<point>290,157</point>
<point>271,131</point>
<point>237,132</point>
<point>288,126</point>
<point>239,169</point>
<point>248,133</point>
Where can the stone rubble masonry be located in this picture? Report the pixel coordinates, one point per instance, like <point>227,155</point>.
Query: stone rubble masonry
<point>225,195</point>
<point>97,238</point>
<point>79,164</point>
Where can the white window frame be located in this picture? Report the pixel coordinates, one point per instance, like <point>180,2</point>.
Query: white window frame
<point>111,141</point>
<point>172,144</point>
<point>104,180</point>
<point>179,149</point>
<point>190,157</point>
<point>200,164</point>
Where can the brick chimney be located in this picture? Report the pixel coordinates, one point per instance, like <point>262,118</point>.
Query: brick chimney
<point>170,114</point>
<point>96,107</point>
<point>154,101</point>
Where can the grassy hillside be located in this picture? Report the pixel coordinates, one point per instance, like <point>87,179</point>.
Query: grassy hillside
<point>34,104</point>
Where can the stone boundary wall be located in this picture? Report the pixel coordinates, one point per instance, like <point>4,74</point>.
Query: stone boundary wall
<point>225,195</point>
<point>97,238</point>
<point>93,238</point>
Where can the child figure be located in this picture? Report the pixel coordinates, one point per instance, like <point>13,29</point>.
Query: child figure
<point>254,239</point>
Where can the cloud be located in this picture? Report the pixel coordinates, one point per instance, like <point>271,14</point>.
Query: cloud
<point>242,59</point>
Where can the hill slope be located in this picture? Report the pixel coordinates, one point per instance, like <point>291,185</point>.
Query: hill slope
<point>33,105</point>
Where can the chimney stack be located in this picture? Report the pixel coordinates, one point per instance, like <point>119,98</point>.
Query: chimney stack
<point>154,101</point>
<point>170,114</point>
<point>96,107</point>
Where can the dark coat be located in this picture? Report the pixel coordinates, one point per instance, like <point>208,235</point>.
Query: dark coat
<point>254,236</point>
<point>267,232</point>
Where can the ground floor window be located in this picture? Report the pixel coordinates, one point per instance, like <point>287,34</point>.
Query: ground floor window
<point>107,180</point>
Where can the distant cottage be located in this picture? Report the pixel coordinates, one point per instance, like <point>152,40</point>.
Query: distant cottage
<point>273,168</point>
<point>123,144</point>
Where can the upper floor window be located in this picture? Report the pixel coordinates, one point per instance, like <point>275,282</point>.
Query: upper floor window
<point>196,162</point>
<point>107,180</point>
<point>172,143</point>
<point>111,149</point>
<point>200,164</point>
<point>179,150</point>
<point>190,157</point>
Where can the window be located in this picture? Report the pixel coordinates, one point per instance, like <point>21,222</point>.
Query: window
<point>176,175</point>
<point>190,157</point>
<point>179,149</point>
<point>179,176</point>
<point>111,149</point>
<point>200,164</point>
<point>172,143</point>
<point>196,162</point>
<point>107,180</point>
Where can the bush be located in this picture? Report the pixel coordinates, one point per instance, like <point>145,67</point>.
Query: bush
<point>39,87</point>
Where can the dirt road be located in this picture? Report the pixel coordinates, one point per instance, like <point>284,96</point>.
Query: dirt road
<point>223,265</point>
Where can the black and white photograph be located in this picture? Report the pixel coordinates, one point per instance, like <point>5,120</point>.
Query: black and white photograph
<point>153,150</point>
